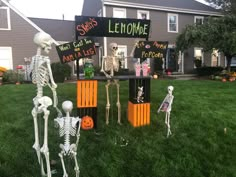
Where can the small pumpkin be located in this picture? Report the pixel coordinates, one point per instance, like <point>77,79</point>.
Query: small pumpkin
<point>87,123</point>
<point>224,80</point>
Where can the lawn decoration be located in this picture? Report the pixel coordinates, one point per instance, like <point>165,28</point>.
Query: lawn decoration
<point>111,64</point>
<point>140,95</point>
<point>68,126</point>
<point>166,106</point>
<point>42,77</point>
<point>87,123</point>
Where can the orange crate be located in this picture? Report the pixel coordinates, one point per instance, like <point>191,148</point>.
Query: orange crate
<point>139,114</point>
<point>87,93</point>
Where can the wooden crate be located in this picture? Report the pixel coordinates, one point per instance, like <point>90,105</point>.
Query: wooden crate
<point>87,93</point>
<point>139,114</point>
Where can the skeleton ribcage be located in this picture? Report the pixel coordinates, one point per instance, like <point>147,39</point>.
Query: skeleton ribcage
<point>40,73</point>
<point>110,63</point>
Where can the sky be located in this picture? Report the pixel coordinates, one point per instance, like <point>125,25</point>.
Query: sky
<point>52,9</point>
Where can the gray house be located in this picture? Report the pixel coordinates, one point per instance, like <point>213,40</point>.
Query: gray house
<point>168,18</point>
<point>17,32</point>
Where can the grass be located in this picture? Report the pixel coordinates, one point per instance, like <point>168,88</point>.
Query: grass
<point>199,147</point>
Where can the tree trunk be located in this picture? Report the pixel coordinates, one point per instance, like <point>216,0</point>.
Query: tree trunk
<point>229,59</point>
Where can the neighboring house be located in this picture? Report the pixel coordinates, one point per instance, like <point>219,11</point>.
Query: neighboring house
<point>168,19</point>
<point>17,33</point>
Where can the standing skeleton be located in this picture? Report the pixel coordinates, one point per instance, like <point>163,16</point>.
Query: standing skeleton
<point>68,126</point>
<point>42,77</point>
<point>111,64</point>
<point>166,106</point>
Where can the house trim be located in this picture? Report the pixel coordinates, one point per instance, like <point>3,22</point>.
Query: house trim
<point>160,8</point>
<point>26,19</point>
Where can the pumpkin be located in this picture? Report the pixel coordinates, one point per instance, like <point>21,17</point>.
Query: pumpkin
<point>87,123</point>
<point>224,80</point>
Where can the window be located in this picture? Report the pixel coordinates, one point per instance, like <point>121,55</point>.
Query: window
<point>6,57</point>
<point>5,18</point>
<point>198,20</point>
<point>198,56</point>
<point>141,14</point>
<point>173,23</point>
<point>122,53</point>
<point>99,14</point>
<point>119,13</point>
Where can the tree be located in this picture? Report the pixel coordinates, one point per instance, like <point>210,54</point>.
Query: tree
<point>215,33</point>
<point>228,6</point>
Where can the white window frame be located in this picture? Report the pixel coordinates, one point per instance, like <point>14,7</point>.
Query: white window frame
<point>217,55</point>
<point>9,49</point>
<point>177,22</point>
<point>198,17</point>
<point>121,10</point>
<point>99,14</point>
<point>123,48</point>
<point>8,18</point>
<point>139,12</point>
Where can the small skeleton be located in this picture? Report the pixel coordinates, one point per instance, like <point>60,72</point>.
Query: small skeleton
<point>67,128</point>
<point>166,106</point>
<point>42,77</point>
<point>140,95</point>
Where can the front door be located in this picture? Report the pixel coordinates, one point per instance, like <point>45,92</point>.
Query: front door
<point>172,60</point>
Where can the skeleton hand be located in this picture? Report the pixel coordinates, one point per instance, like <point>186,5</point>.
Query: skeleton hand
<point>54,85</point>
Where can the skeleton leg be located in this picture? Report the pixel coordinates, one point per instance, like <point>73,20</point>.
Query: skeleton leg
<point>45,149</point>
<point>108,102</point>
<point>76,163</point>
<point>167,121</point>
<point>36,145</point>
<point>63,164</point>
<point>118,100</point>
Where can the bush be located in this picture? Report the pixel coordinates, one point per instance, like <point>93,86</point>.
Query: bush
<point>207,70</point>
<point>60,71</point>
<point>11,76</point>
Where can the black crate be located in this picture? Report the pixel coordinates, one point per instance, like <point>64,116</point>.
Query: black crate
<point>91,111</point>
<point>133,89</point>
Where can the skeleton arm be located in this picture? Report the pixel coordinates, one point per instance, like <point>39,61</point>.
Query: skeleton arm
<point>162,104</point>
<point>53,88</point>
<point>78,133</point>
<point>102,69</point>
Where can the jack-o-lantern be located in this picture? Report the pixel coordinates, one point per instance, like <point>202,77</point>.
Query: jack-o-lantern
<point>87,123</point>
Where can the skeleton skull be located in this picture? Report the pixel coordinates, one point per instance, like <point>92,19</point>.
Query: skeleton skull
<point>114,48</point>
<point>67,106</point>
<point>170,89</point>
<point>44,41</point>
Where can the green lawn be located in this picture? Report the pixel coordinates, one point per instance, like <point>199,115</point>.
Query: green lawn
<point>198,147</point>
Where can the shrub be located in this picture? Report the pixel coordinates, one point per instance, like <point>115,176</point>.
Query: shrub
<point>60,71</point>
<point>11,76</point>
<point>207,70</point>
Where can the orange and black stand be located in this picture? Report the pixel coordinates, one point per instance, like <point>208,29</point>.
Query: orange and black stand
<point>87,98</point>
<point>139,113</point>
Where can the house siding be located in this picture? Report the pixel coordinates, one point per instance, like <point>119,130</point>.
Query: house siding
<point>159,32</point>
<point>20,38</point>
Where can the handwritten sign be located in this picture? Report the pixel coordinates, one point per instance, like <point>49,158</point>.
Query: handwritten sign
<point>111,27</point>
<point>75,50</point>
<point>151,49</point>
